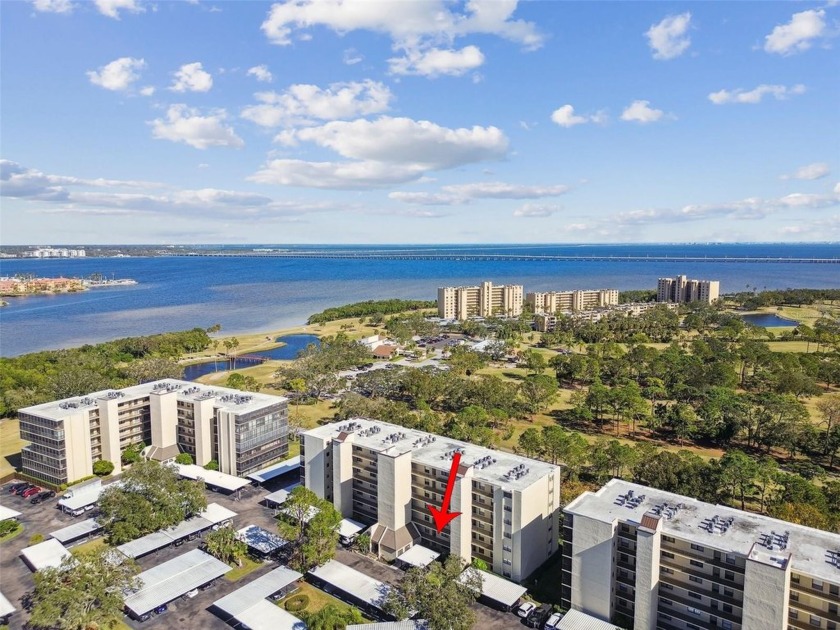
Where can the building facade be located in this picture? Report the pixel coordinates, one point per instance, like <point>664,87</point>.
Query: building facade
<point>242,431</point>
<point>682,290</point>
<point>387,476</point>
<point>485,300</point>
<point>555,301</point>
<point>545,322</point>
<point>658,560</point>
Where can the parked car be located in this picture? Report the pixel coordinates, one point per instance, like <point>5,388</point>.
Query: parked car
<point>31,492</point>
<point>17,486</point>
<point>43,496</point>
<point>538,616</point>
<point>21,489</point>
<point>191,593</point>
<point>553,621</point>
<point>525,609</point>
<point>161,609</point>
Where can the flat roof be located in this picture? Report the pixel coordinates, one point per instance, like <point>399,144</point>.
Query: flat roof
<point>77,530</point>
<point>348,527</point>
<point>6,607</point>
<point>261,539</point>
<point>225,398</point>
<point>353,582</point>
<point>170,580</point>
<point>212,477</point>
<point>83,495</point>
<point>576,620</point>
<point>244,598</point>
<point>212,515</point>
<point>419,556</point>
<point>717,526</point>
<point>49,553</point>
<point>496,588</point>
<point>276,470</point>
<point>264,615</point>
<point>279,497</point>
<point>7,513</point>
<point>408,624</point>
<point>509,471</point>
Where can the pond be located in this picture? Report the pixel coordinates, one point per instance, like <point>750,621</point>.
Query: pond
<point>293,345</point>
<point>768,320</point>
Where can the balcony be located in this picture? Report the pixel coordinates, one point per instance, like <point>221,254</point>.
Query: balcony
<point>698,588</point>
<point>693,555</point>
<point>680,570</point>
<point>697,605</point>
<point>806,611</point>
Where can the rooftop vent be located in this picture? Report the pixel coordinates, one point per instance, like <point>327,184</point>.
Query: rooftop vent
<point>630,499</point>
<point>369,431</point>
<point>206,395</point>
<point>424,441</point>
<point>833,557</point>
<point>517,472</point>
<point>451,452</point>
<point>236,399</point>
<point>192,390</point>
<point>719,524</point>
<point>775,540</point>
<point>484,462</point>
<point>113,395</point>
<point>349,426</point>
<point>86,401</point>
<point>667,510</point>
<point>394,438</point>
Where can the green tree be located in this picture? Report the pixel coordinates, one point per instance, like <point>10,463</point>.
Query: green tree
<point>85,592</point>
<point>438,594</point>
<point>462,360</point>
<point>535,362</point>
<point>311,525</point>
<point>184,458</point>
<point>224,545</point>
<point>530,442</point>
<point>103,468</point>
<point>150,497</point>
<point>829,408</point>
<point>538,391</point>
<point>211,465</point>
<point>152,369</point>
<point>331,617</point>
<point>739,471</point>
<point>131,454</point>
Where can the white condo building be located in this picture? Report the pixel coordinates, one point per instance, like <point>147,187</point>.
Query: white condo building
<point>662,561</point>
<point>485,300</point>
<point>387,476</point>
<point>553,301</point>
<point>242,431</point>
<point>682,290</point>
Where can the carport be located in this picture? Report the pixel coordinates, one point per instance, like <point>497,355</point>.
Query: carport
<point>417,556</point>
<point>576,620</point>
<point>81,496</point>
<point>348,530</point>
<point>49,553</point>
<point>77,531</point>
<point>276,470</point>
<point>277,499</point>
<point>7,513</point>
<point>6,608</point>
<point>261,541</point>
<point>497,592</point>
<point>249,606</point>
<point>361,590</point>
<point>172,579</point>
<point>407,624</point>
<point>213,479</point>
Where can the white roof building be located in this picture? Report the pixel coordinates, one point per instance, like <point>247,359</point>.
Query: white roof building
<point>49,553</point>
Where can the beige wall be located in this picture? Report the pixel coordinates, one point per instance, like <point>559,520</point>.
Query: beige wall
<point>109,425</point>
<point>203,417</point>
<point>393,493</point>
<point>77,446</point>
<point>342,477</point>
<point>315,464</point>
<point>460,528</point>
<point>592,562</point>
<point>226,428</point>
<point>647,577</point>
<point>765,596</point>
<point>163,412</point>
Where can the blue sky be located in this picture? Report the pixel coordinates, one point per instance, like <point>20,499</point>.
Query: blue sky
<point>403,121</point>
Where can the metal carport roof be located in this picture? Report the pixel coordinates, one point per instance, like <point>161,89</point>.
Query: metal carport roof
<point>73,532</point>
<point>7,513</point>
<point>275,470</point>
<point>352,582</point>
<point>215,478</point>
<point>246,597</point>
<point>266,616</point>
<point>49,553</point>
<point>576,620</point>
<point>6,607</point>
<point>419,556</point>
<point>261,539</point>
<point>498,589</point>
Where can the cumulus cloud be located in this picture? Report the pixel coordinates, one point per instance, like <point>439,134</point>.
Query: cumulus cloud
<point>149,90</point>
<point>434,62</point>
<point>798,34</point>
<point>191,77</point>
<point>532,210</point>
<point>456,194</point>
<point>352,56</point>
<point>779,92</point>
<point>53,6</point>
<point>641,112</point>
<point>187,125</point>
<point>117,75</point>
<point>261,73</point>
<point>335,175</point>
<point>565,117</point>
<point>304,104</point>
<point>112,8</point>
<point>813,171</point>
<point>668,38</point>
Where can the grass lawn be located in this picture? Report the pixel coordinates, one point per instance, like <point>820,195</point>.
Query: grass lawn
<point>248,566</point>
<point>119,624</point>
<point>90,545</point>
<point>10,445</point>
<point>317,599</point>
<point>12,534</point>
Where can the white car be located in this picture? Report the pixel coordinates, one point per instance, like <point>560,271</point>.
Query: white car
<point>525,609</point>
<point>552,621</point>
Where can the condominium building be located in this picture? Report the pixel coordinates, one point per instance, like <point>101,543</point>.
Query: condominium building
<point>682,290</point>
<point>545,322</point>
<point>387,476</point>
<point>658,560</point>
<point>485,300</point>
<point>554,301</point>
<point>242,431</point>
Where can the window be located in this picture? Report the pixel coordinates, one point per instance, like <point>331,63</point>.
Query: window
<point>668,539</point>
<point>834,589</point>
<point>667,554</point>
<point>726,624</point>
<point>694,578</point>
<point>729,592</point>
<point>793,614</point>
<point>817,585</point>
<point>667,602</point>
<point>794,578</point>
<point>794,596</point>
<point>694,595</point>
<point>696,563</point>
<point>730,558</point>
<point>729,575</point>
<point>624,528</point>
<point>697,547</point>
<point>666,570</point>
<point>666,586</point>
<point>727,608</point>
<point>815,621</point>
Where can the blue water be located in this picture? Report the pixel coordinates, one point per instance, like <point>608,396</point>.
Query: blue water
<point>293,345</point>
<point>256,294</point>
<point>768,320</point>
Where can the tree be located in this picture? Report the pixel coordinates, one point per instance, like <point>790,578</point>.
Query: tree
<point>152,369</point>
<point>224,545</point>
<point>103,468</point>
<point>829,408</point>
<point>462,360</point>
<point>131,454</point>
<point>530,442</point>
<point>535,362</point>
<point>538,391</point>
<point>331,617</point>
<point>85,592</point>
<point>438,595</point>
<point>184,458</point>
<point>211,465</point>
<point>150,497</point>
<point>739,470</point>
<point>311,525</point>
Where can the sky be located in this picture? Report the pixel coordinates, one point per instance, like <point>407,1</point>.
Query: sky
<point>418,121</point>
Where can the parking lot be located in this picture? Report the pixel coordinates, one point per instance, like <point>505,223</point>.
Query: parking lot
<point>185,612</point>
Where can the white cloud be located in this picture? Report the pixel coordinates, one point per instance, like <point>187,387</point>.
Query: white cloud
<point>352,56</point>
<point>147,91</point>
<point>668,39</point>
<point>117,75</point>
<point>565,117</point>
<point>427,199</point>
<point>779,92</point>
<point>434,62</point>
<point>261,73</point>
<point>53,6</point>
<point>796,35</point>
<point>304,104</point>
<point>641,112</point>
<point>112,8</point>
<point>187,125</point>
<point>531,210</point>
<point>813,171</point>
<point>335,175</point>
<point>191,77</point>
<point>456,194</point>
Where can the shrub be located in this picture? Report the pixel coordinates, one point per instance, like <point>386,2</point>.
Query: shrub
<point>9,526</point>
<point>34,539</point>
<point>297,603</point>
<point>184,458</point>
<point>103,468</point>
<point>211,465</point>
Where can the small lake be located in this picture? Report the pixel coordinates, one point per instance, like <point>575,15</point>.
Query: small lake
<point>293,345</point>
<point>768,320</point>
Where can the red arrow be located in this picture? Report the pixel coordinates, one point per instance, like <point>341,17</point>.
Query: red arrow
<point>442,516</point>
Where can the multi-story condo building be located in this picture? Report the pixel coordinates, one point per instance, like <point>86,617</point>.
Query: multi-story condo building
<point>485,300</point>
<point>242,431</point>
<point>388,476</point>
<point>545,322</point>
<point>682,290</point>
<point>555,301</point>
<point>659,560</point>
